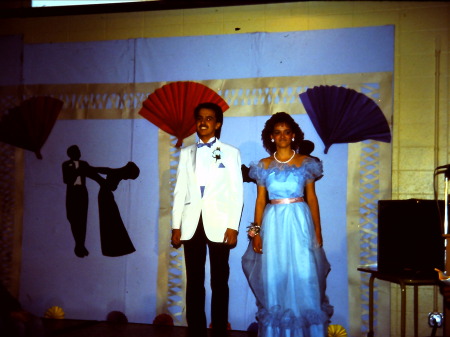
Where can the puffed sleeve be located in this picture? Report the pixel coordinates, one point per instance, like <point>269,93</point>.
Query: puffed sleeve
<point>313,169</point>
<point>258,172</point>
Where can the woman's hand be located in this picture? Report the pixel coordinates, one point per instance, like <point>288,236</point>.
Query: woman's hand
<point>319,239</point>
<point>257,244</point>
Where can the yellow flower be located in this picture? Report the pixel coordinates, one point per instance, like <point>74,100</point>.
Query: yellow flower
<point>54,312</point>
<point>336,330</point>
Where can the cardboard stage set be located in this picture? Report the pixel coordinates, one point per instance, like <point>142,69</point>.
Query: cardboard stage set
<point>103,86</point>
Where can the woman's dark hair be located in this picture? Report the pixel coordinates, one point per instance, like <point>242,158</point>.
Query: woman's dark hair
<point>281,117</point>
<point>217,111</point>
<point>131,170</point>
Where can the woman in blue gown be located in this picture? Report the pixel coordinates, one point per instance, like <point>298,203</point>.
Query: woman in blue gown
<point>285,263</point>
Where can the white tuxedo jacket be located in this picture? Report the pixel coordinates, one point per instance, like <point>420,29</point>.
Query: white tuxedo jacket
<point>221,205</point>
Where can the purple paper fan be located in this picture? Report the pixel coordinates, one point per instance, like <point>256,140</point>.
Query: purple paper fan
<point>342,115</point>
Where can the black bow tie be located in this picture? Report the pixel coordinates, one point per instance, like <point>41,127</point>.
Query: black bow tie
<point>199,145</point>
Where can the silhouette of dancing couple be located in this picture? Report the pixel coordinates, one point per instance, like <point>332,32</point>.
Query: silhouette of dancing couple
<point>114,237</point>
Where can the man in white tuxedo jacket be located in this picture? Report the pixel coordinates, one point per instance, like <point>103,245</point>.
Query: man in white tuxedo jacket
<point>207,207</point>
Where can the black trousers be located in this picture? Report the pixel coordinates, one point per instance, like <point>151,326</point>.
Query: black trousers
<point>77,201</point>
<point>195,258</point>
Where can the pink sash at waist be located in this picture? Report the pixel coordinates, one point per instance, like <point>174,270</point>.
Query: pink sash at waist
<point>286,200</point>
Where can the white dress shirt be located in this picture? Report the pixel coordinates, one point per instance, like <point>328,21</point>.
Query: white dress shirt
<point>203,163</point>
<point>78,180</point>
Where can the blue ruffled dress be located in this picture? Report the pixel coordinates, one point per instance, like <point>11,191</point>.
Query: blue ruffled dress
<point>289,278</point>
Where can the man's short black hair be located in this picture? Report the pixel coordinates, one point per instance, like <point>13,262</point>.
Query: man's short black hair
<point>217,111</point>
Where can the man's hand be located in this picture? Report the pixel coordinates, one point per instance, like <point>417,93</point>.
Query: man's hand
<point>230,237</point>
<point>176,238</point>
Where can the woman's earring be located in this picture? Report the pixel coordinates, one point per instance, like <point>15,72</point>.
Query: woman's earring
<point>293,139</point>
<point>272,140</point>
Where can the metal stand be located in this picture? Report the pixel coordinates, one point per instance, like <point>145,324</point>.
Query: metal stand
<point>446,235</point>
<point>403,281</point>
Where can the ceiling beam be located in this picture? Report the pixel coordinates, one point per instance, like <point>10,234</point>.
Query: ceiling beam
<point>124,7</point>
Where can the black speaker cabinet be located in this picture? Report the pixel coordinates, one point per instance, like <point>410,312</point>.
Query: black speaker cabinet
<point>410,237</point>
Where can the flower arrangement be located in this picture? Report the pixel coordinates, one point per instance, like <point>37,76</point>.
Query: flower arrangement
<point>253,230</point>
<point>336,330</point>
<point>217,155</point>
<point>54,312</point>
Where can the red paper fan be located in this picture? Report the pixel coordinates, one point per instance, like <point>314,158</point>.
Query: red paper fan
<point>29,125</point>
<point>171,107</point>
<point>342,115</point>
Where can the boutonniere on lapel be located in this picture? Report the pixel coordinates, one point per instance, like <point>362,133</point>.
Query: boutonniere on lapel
<point>217,155</point>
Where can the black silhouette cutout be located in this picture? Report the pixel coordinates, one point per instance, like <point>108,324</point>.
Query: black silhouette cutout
<point>114,237</point>
<point>306,148</point>
<point>77,198</point>
<point>245,177</point>
<point>115,240</point>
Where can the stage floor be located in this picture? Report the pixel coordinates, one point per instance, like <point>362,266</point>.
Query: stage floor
<point>77,328</point>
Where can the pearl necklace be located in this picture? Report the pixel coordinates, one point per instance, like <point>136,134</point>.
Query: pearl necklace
<point>283,162</point>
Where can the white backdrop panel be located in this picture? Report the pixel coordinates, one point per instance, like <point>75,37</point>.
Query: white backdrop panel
<point>337,51</point>
<point>91,287</point>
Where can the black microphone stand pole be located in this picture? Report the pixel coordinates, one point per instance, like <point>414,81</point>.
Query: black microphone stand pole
<point>447,251</point>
